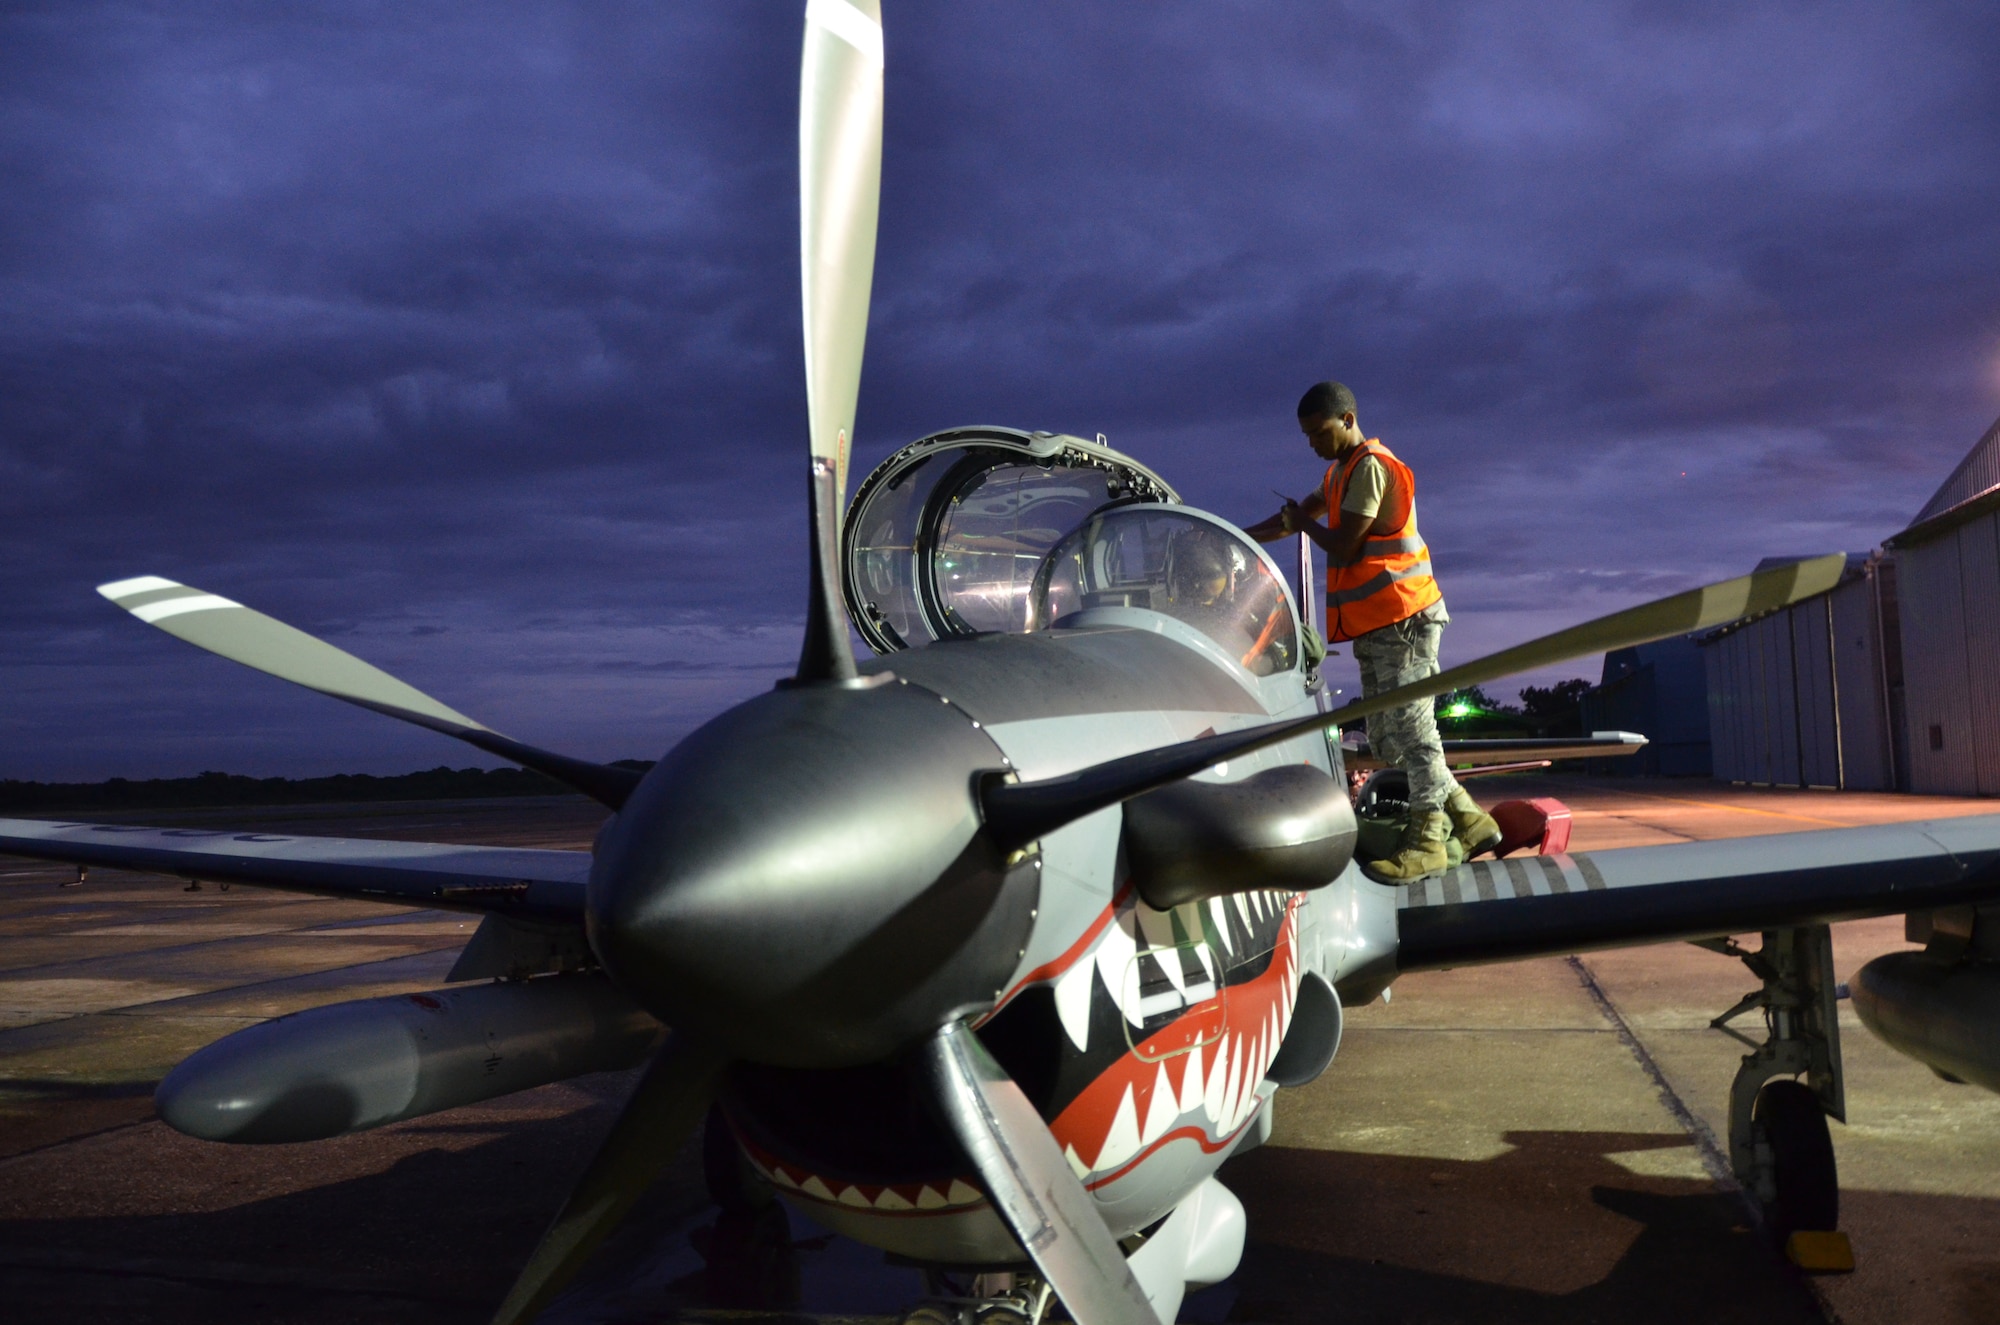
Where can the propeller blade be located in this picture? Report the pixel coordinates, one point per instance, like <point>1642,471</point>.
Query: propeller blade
<point>233,631</point>
<point>840,188</point>
<point>840,191</point>
<point>668,1104</point>
<point>1032,1185</point>
<point>1018,813</point>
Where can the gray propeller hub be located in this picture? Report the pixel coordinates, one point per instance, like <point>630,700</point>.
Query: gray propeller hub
<point>804,880</point>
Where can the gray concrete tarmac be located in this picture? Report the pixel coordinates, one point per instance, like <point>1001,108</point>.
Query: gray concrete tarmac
<point>1525,1142</point>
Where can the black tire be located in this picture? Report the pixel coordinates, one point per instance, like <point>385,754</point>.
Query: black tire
<point>732,1184</point>
<point>1791,1120</point>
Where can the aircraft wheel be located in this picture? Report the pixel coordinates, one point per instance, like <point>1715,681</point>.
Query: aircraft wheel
<point>732,1183</point>
<point>1802,1167</point>
<point>930,1313</point>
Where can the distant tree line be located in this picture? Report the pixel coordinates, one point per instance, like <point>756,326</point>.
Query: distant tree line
<point>1555,710</point>
<point>223,789</point>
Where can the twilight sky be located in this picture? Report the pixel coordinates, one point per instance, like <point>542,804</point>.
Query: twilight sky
<point>466,335</point>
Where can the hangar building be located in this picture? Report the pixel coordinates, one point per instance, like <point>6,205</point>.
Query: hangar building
<point>1948,586</point>
<point>1799,697</point>
<point>1890,680</point>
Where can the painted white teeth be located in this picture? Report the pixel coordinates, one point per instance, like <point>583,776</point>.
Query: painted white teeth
<point>1076,1164</point>
<point>1122,1141</point>
<point>1073,991</point>
<point>960,1194</point>
<point>1115,965</point>
<point>1218,1067</point>
<point>930,1198</point>
<point>814,1187</point>
<point>1229,1091</point>
<point>889,1200</point>
<point>1193,1080</point>
<point>1161,1110</point>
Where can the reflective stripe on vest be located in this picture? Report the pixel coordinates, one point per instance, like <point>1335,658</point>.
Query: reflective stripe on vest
<point>1390,578</point>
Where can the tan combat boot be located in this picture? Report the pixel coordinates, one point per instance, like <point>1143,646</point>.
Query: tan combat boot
<point>1473,827</point>
<point>1420,854</point>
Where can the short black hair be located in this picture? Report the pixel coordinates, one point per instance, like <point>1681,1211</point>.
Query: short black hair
<point>1326,400</point>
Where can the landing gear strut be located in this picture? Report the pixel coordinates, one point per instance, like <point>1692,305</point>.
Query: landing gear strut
<point>1779,1147</point>
<point>986,1299</point>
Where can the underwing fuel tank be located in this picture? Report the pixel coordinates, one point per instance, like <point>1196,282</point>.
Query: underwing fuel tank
<point>352,1066</point>
<point>1947,1017</point>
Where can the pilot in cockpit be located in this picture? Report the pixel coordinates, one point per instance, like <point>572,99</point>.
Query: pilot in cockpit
<point>1202,570</point>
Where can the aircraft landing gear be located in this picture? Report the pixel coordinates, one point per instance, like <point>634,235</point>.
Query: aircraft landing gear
<point>1779,1146</point>
<point>988,1299</point>
<point>1804,1183</point>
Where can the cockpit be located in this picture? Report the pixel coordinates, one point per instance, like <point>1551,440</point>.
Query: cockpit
<point>988,529</point>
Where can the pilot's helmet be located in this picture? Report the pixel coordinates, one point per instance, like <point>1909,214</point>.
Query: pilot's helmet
<point>1201,569</point>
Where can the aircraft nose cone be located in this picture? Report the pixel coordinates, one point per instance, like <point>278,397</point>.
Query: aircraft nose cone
<point>803,880</point>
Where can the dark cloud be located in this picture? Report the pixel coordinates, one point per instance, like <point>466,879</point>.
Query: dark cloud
<point>468,334</point>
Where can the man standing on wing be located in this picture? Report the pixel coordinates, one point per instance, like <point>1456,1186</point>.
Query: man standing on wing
<point>1380,594</point>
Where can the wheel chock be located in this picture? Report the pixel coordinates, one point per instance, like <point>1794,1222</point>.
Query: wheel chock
<point>1818,1252</point>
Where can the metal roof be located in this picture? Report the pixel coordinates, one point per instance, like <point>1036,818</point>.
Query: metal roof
<point>1977,477</point>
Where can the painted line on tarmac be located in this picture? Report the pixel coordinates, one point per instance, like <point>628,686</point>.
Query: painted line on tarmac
<point>1740,809</point>
<point>1713,1158</point>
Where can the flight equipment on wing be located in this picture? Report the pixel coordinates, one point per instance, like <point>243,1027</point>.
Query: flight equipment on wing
<point>1941,1006</point>
<point>989,951</point>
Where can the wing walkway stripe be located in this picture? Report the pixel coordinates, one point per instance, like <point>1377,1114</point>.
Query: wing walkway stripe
<point>1504,880</point>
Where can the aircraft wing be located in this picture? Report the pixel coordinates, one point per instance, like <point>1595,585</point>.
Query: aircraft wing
<point>1538,906</point>
<point>1479,753</point>
<point>546,886</point>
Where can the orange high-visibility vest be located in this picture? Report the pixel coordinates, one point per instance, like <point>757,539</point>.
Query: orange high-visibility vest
<point>1390,579</point>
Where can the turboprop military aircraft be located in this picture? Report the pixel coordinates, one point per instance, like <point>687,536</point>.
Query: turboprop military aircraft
<point>988,951</point>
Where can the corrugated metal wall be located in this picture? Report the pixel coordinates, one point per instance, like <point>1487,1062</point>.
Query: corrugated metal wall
<point>1949,591</point>
<point>1795,698</point>
<point>1866,728</point>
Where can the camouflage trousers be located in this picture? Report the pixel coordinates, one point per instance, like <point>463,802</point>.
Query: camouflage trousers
<point>1406,737</point>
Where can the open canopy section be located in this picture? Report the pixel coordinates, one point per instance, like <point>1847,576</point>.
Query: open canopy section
<point>947,536</point>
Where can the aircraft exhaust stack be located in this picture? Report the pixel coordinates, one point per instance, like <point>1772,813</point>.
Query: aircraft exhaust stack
<point>1288,828</point>
<point>352,1066</point>
<point>1947,1017</point>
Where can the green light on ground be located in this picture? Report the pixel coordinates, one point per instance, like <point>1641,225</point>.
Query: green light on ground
<point>1459,709</point>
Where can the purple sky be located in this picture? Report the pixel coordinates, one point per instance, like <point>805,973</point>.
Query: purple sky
<point>466,335</point>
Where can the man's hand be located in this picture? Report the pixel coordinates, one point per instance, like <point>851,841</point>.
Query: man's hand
<point>1293,518</point>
